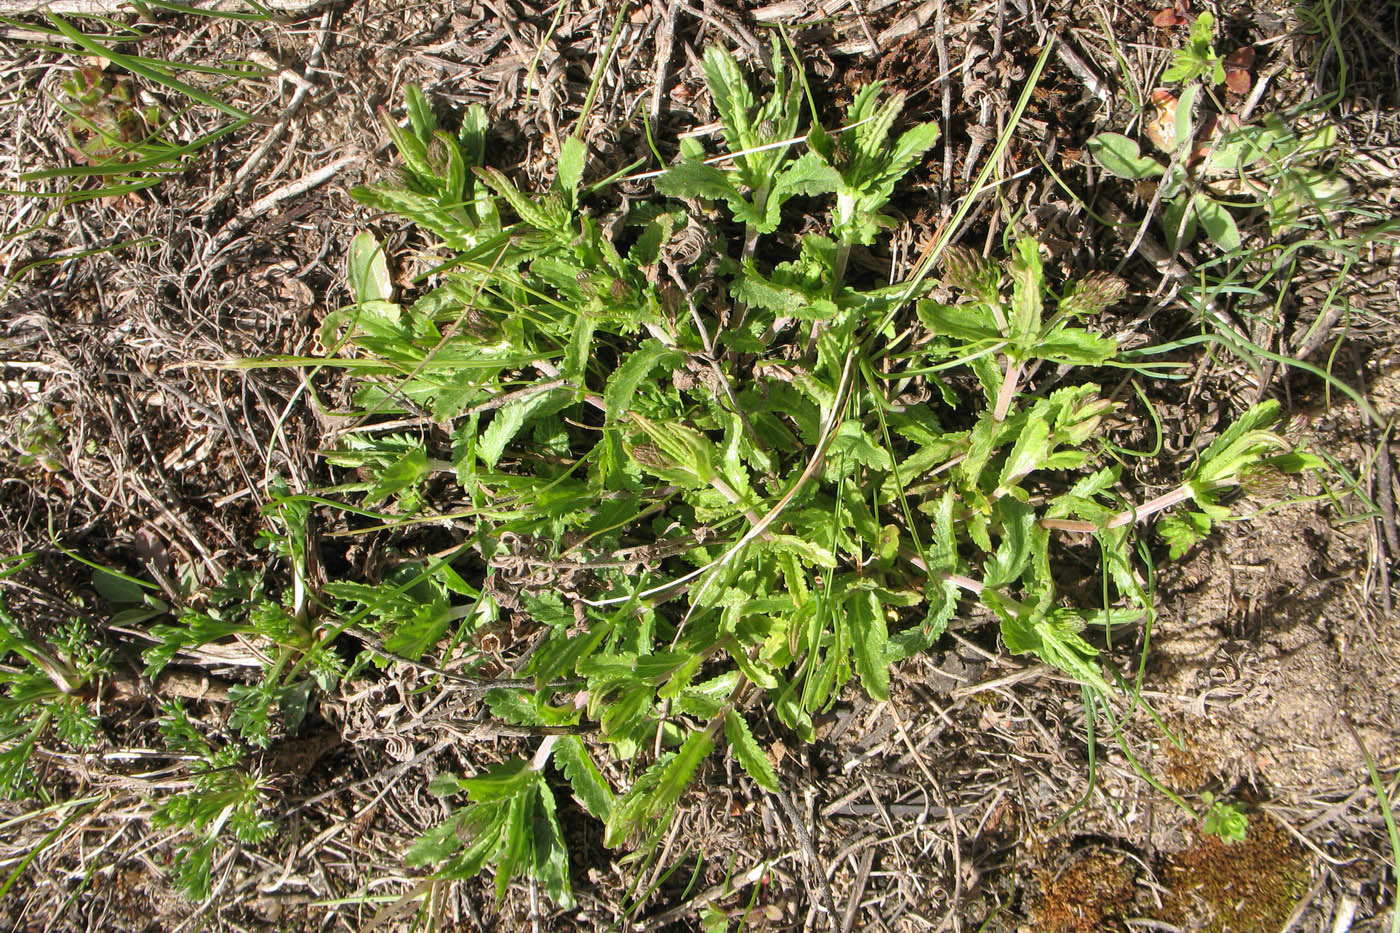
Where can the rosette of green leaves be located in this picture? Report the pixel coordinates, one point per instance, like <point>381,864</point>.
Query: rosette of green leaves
<point>863,165</point>
<point>762,173</point>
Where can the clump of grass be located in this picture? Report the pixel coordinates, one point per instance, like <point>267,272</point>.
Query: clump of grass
<point>120,138</point>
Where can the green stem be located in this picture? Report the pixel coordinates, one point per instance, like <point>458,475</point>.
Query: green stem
<point>1142,772</point>
<point>843,257</point>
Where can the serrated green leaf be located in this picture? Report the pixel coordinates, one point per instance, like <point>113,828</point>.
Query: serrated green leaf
<point>852,443</point>
<point>516,853</point>
<point>706,699</point>
<point>755,671</point>
<point>421,632</point>
<point>647,250</point>
<point>560,657</point>
<point>783,298</point>
<point>550,857</point>
<point>912,144</point>
<point>499,781</point>
<point>869,642</point>
<point>543,215</point>
<point>747,750</point>
<point>623,383</point>
<point>1028,287</point>
<point>513,706</point>
<point>648,806</point>
<point>971,323</point>
<point>1238,446</point>
<point>1052,638</point>
<point>807,551</point>
<point>472,136</point>
<point>484,829</point>
<point>1183,531</point>
<point>697,180</point>
<point>507,422</point>
<point>942,598</point>
<point>547,608</point>
<point>807,175</point>
<point>1014,552</point>
<point>398,477</point>
<point>422,210</point>
<point>731,94</point>
<point>420,113</point>
<point>1076,345</point>
<point>588,783</point>
<point>1028,454</point>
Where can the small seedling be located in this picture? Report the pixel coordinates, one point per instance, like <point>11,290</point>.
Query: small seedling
<point>105,121</point>
<point>1198,59</point>
<point>1225,821</point>
<point>38,441</point>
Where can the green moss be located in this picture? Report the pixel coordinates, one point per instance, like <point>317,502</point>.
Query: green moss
<point>1249,886</point>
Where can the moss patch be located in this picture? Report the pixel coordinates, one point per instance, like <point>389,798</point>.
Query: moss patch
<point>1092,894</point>
<point>1242,888</point>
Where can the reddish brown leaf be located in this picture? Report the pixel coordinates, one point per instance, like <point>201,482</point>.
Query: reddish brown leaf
<point>1238,81</point>
<point>1172,16</point>
<point>1160,123</point>
<point>1166,19</point>
<point>1238,65</point>
<point>1241,59</point>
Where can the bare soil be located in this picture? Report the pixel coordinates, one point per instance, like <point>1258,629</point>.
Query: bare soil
<point>953,806</point>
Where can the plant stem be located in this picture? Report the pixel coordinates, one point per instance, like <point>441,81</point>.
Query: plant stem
<point>760,201</point>
<point>1008,389</point>
<point>957,579</point>
<point>838,273</point>
<point>1125,517</point>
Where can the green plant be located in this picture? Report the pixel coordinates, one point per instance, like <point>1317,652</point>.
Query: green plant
<point>39,441</point>
<point>1224,820</point>
<point>46,687</point>
<point>716,510</point>
<point>1198,60</point>
<point>104,117</point>
<point>511,821</point>
<point>119,139</point>
<point>51,688</point>
<point>223,795</point>
<point>296,657</point>
<point>1218,165</point>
